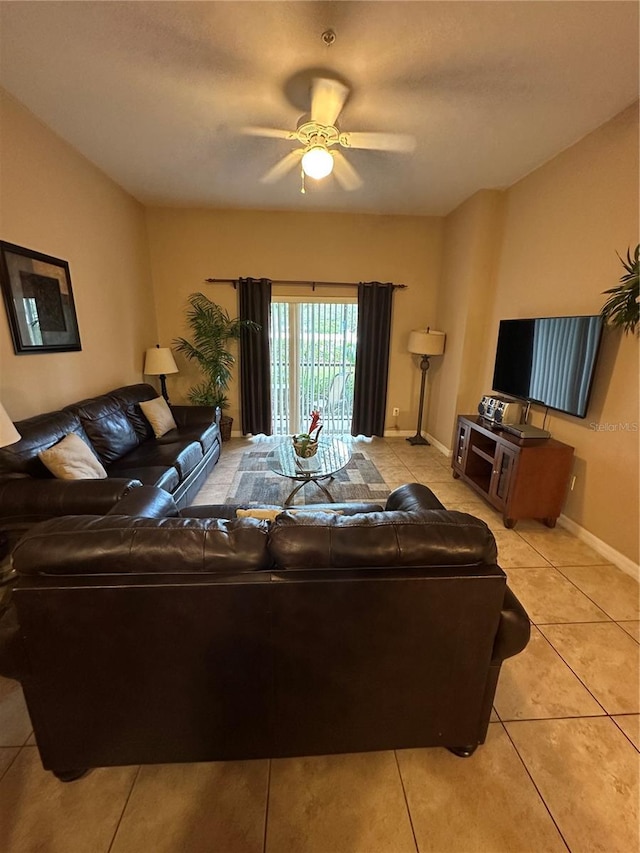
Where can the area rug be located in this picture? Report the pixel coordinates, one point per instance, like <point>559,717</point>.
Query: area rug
<point>256,484</point>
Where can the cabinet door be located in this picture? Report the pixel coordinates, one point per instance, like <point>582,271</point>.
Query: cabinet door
<point>460,449</point>
<point>501,476</point>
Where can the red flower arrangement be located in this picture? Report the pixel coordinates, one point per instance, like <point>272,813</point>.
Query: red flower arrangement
<point>304,439</point>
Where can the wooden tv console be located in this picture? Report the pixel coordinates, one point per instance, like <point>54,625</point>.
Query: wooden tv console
<point>521,478</point>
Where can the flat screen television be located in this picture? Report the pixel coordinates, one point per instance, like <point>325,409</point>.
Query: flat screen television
<point>548,360</point>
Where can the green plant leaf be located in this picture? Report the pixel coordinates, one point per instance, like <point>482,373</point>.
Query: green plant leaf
<point>622,308</point>
<point>212,329</point>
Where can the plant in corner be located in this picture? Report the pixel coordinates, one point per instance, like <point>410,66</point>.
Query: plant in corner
<point>212,329</point>
<point>622,308</point>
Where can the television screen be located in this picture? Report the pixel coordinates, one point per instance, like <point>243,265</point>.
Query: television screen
<point>548,360</point>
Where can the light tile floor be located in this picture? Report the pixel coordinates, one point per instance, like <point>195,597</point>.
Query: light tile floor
<point>559,770</point>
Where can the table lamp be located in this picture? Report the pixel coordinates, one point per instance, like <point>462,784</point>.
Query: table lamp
<point>159,361</point>
<point>8,433</point>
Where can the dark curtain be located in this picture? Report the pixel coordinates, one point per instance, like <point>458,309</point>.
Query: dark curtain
<point>254,297</point>
<point>372,358</point>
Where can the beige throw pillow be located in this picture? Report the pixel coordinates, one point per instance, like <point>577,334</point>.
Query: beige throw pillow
<point>158,413</point>
<point>72,459</point>
<point>270,514</point>
<point>262,514</point>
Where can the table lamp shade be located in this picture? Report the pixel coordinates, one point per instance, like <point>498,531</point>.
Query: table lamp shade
<point>426,342</point>
<point>159,361</point>
<point>8,433</point>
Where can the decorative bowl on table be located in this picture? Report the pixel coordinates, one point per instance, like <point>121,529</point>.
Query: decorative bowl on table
<point>305,446</point>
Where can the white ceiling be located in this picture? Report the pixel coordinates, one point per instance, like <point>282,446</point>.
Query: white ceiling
<point>154,92</point>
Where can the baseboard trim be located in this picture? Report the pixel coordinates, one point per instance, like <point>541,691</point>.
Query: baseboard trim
<point>440,446</point>
<point>405,433</point>
<point>610,554</point>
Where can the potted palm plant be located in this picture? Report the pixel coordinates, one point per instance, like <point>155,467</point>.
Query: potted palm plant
<point>622,308</point>
<point>212,330</point>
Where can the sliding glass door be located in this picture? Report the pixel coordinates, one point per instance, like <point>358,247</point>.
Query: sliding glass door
<point>313,352</point>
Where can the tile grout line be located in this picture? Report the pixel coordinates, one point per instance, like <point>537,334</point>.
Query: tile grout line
<point>566,577</point>
<point>613,720</point>
<point>13,760</point>
<point>406,801</point>
<point>124,808</point>
<point>266,809</point>
<point>568,665</point>
<point>533,782</point>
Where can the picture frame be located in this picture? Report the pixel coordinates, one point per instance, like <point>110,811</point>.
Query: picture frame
<point>38,298</point>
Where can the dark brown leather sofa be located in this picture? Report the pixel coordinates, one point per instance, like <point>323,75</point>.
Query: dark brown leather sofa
<point>114,426</point>
<point>141,640</point>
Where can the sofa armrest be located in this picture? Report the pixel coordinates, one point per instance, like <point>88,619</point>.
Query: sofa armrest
<point>27,497</point>
<point>413,497</point>
<point>146,502</point>
<point>514,629</point>
<point>189,416</point>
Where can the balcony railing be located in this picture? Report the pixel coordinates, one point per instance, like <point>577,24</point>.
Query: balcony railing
<point>312,365</point>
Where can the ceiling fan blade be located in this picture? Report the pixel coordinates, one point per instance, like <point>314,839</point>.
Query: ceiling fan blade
<point>283,166</point>
<point>379,141</point>
<point>345,174</point>
<point>271,132</point>
<point>327,99</point>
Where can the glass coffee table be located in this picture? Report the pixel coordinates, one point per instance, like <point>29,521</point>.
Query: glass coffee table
<point>332,456</point>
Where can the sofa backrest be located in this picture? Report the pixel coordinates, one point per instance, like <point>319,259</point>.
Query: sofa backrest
<point>111,424</point>
<point>38,433</point>
<point>117,544</point>
<point>129,398</point>
<point>307,541</point>
<point>393,538</point>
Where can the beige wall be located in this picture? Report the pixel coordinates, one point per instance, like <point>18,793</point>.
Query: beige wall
<point>188,246</point>
<point>562,227</point>
<point>465,306</point>
<point>54,201</point>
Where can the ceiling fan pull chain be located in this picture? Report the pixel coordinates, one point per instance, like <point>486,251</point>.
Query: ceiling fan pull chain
<point>302,189</point>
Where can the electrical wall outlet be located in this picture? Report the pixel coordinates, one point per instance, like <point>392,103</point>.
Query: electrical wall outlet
<point>396,411</point>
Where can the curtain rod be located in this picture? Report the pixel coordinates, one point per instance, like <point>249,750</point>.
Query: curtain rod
<point>312,284</point>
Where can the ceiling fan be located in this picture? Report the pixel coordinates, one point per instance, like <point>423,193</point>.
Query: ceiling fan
<point>320,134</point>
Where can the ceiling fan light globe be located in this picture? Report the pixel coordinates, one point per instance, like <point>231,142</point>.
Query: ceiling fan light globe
<point>317,162</point>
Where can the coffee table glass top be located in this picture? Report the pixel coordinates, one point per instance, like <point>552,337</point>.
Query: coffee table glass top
<point>332,455</point>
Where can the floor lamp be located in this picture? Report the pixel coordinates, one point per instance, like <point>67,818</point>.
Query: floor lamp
<point>8,435</point>
<point>426,343</point>
<point>159,361</point>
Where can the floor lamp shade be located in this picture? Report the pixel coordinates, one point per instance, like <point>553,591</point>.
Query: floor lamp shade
<point>8,433</point>
<point>426,343</point>
<point>158,361</point>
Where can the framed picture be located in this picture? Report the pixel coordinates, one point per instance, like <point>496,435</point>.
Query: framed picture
<point>39,301</point>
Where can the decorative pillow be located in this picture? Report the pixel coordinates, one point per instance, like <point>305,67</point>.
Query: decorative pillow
<point>158,413</point>
<point>262,514</point>
<point>72,459</point>
<point>270,514</point>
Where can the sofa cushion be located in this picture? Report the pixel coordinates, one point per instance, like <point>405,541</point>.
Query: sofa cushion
<point>380,539</point>
<point>183,455</point>
<point>107,426</point>
<point>71,459</point>
<point>90,545</point>
<point>206,435</point>
<point>158,413</point>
